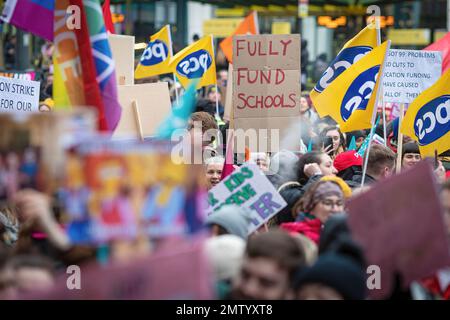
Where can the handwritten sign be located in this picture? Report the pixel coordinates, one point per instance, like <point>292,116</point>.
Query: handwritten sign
<point>250,188</point>
<point>408,73</point>
<point>403,212</point>
<point>266,78</point>
<point>19,75</point>
<point>18,96</point>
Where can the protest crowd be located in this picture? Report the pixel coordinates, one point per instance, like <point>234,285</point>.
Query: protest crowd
<point>99,200</point>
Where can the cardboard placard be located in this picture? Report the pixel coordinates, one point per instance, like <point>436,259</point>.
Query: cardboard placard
<point>399,223</point>
<point>152,103</point>
<point>122,48</point>
<point>250,188</point>
<point>229,95</point>
<point>159,276</point>
<point>126,189</point>
<point>19,96</point>
<point>266,82</point>
<point>408,73</point>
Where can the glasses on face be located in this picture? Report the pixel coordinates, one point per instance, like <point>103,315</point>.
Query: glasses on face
<point>413,156</point>
<point>330,203</point>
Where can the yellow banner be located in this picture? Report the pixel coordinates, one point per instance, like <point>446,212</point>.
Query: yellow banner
<point>409,37</point>
<point>196,62</point>
<point>428,118</point>
<point>156,57</point>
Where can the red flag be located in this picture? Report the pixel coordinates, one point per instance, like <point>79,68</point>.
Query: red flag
<point>107,17</point>
<point>442,45</point>
<point>228,167</point>
<point>91,89</point>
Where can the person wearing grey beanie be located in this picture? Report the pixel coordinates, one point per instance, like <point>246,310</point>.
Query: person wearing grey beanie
<point>230,219</point>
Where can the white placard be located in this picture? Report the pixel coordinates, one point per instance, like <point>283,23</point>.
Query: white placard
<point>408,73</point>
<point>250,188</point>
<point>19,96</point>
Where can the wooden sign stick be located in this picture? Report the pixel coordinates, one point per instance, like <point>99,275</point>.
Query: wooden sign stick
<point>138,119</point>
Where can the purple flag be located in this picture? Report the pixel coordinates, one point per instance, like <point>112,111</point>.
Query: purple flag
<point>23,14</point>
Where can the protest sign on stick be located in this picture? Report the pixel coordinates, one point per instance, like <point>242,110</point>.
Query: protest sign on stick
<point>149,101</point>
<point>266,90</point>
<point>19,96</point>
<point>408,73</point>
<point>122,48</point>
<point>250,188</point>
<point>399,223</point>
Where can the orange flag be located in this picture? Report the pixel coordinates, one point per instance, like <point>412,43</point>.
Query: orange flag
<point>248,26</point>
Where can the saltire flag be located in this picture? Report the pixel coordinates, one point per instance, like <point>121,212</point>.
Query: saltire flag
<point>428,118</point>
<point>156,57</point>
<point>353,51</point>
<point>35,16</point>
<point>349,99</point>
<point>248,26</point>
<point>196,62</point>
<point>104,64</point>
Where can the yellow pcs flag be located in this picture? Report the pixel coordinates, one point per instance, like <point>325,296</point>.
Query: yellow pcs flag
<point>428,118</point>
<point>196,62</point>
<point>156,57</point>
<point>352,51</point>
<point>349,99</point>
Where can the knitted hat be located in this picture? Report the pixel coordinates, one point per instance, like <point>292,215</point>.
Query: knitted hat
<point>225,255</point>
<point>337,272</point>
<point>234,219</point>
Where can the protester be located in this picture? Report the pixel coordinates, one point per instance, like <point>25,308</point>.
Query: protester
<point>306,110</point>
<point>410,155</point>
<point>268,268</point>
<point>261,159</point>
<point>225,254</point>
<point>380,165</point>
<point>229,219</point>
<point>314,164</point>
<point>338,140</point>
<point>323,199</point>
<point>213,167</point>
<point>332,277</point>
<point>348,164</point>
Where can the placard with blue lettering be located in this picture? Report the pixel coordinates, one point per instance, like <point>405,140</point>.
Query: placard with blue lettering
<point>408,73</point>
<point>19,96</point>
<point>250,188</point>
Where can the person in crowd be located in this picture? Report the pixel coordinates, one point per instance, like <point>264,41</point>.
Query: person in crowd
<point>332,277</point>
<point>314,164</point>
<point>214,94</point>
<point>410,155</point>
<point>203,132</point>
<point>225,254</point>
<point>337,137</point>
<point>270,261</point>
<point>323,199</point>
<point>230,219</point>
<point>359,135</point>
<point>348,164</point>
<point>380,165</point>
<point>307,112</point>
<point>213,167</point>
<point>261,159</point>
<point>26,274</point>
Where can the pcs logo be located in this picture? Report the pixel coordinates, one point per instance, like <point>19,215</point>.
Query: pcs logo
<point>155,53</point>
<point>359,92</point>
<point>433,120</point>
<point>345,59</point>
<point>195,65</point>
